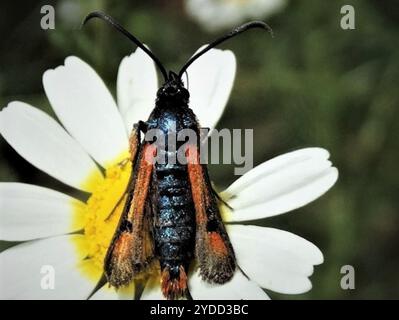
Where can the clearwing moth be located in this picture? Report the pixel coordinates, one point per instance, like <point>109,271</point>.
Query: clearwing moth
<point>171,214</point>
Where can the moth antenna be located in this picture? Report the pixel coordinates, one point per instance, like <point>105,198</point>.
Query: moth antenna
<point>117,26</point>
<point>188,85</point>
<point>231,34</point>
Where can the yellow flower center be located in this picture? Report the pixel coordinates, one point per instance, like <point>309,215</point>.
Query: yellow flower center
<point>101,216</point>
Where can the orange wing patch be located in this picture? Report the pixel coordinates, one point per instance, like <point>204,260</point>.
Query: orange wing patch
<point>217,244</point>
<point>213,249</point>
<point>132,247</point>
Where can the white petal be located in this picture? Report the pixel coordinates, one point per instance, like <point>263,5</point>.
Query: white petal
<point>275,259</point>
<point>86,109</point>
<point>152,290</point>
<point>105,293</point>
<point>238,288</point>
<point>25,271</point>
<point>211,79</point>
<point>109,293</point>
<point>44,143</point>
<point>29,212</point>
<point>215,15</point>
<point>274,165</point>
<point>137,86</point>
<point>280,185</point>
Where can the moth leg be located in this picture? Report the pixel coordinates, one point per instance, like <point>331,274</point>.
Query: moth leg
<point>213,249</point>
<point>124,162</point>
<point>132,246</point>
<point>111,214</point>
<point>135,138</point>
<point>134,144</point>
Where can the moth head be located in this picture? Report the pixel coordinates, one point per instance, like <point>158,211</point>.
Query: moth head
<point>173,89</point>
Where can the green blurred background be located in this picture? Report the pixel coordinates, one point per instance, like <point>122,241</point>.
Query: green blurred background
<point>313,84</point>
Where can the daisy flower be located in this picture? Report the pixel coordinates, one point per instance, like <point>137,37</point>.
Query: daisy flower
<point>72,236</point>
<point>219,14</point>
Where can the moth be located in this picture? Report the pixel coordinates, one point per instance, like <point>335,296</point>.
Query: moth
<point>171,213</point>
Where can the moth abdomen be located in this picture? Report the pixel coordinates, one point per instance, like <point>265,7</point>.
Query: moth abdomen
<point>174,227</point>
<point>174,221</point>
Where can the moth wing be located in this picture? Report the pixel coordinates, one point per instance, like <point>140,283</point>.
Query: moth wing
<point>132,247</point>
<point>213,250</point>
